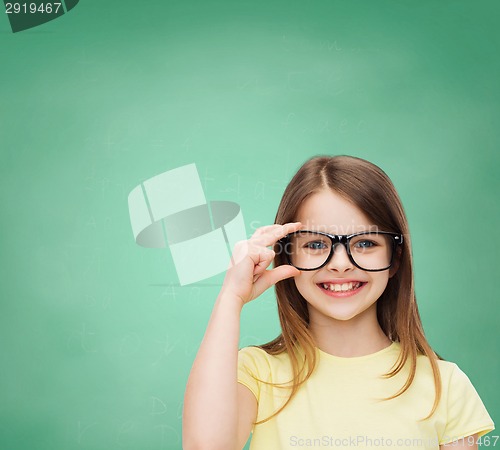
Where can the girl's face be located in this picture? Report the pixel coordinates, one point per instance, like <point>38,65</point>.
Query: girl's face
<point>328,212</point>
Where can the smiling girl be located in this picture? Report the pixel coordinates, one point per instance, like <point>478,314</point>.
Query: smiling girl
<point>352,366</point>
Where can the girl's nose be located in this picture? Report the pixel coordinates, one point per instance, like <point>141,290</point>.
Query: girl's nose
<point>340,259</point>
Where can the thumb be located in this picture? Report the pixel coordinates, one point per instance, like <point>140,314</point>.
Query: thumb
<point>282,272</point>
<point>271,277</point>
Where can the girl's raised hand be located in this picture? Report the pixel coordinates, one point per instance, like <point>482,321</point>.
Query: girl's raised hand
<point>247,276</point>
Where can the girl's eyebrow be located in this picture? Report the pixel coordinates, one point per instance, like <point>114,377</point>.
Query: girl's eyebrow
<point>341,231</point>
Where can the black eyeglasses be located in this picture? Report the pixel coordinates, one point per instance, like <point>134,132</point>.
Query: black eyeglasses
<point>372,251</point>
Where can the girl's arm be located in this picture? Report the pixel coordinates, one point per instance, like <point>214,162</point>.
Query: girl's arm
<point>210,418</point>
<point>218,412</point>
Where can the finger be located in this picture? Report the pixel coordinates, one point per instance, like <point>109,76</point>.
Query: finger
<point>264,229</point>
<point>266,257</point>
<point>270,235</point>
<point>275,227</point>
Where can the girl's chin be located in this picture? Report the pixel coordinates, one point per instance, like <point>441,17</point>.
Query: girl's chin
<point>325,316</point>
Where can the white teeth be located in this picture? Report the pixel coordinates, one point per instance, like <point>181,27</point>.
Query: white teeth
<point>344,287</point>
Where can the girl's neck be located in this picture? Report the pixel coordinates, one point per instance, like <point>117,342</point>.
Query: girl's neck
<point>359,336</point>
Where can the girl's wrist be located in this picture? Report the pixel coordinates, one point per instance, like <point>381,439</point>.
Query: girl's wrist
<point>230,300</point>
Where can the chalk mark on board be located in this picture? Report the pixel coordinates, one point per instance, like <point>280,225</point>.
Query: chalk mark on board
<point>82,336</point>
<point>169,291</point>
<point>330,45</point>
<point>288,118</point>
<point>167,349</point>
<point>180,409</point>
<point>125,427</point>
<point>168,441</point>
<point>206,179</point>
<point>259,190</point>
<point>81,431</point>
<point>238,185</point>
<point>154,410</point>
<point>130,344</point>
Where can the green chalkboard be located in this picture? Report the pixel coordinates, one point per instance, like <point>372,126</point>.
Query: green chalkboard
<point>97,332</point>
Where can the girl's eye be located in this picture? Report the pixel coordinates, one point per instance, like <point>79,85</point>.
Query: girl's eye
<point>315,245</point>
<point>365,244</point>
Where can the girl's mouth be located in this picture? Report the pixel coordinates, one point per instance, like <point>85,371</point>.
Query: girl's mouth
<point>341,289</point>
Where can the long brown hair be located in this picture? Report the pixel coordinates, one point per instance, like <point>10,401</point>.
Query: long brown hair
<point>370,189</point>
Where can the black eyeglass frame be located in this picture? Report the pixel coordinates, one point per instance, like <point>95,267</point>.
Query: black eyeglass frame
<point>345,240</point>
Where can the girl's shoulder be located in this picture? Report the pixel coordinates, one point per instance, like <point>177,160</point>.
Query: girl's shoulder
<point>256,364</point>
<point>260,362</point>
<point>464,409</point>
<point>260,356</point>
<point>450,372</point>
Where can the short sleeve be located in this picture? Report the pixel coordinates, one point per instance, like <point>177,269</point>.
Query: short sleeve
<point>251,365</point>
<point>466,413</point>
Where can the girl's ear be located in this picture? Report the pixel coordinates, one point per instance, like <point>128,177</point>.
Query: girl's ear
<point>395,265</point>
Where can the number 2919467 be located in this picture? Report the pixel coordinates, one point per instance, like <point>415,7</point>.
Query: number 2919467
<point>32,8</point>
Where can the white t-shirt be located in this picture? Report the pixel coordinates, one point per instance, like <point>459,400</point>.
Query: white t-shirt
<point>337,407</point>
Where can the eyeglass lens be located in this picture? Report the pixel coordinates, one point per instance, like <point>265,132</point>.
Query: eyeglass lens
<point>370,251</point>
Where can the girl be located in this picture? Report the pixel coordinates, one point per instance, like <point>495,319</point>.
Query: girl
<point>351,367</point>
